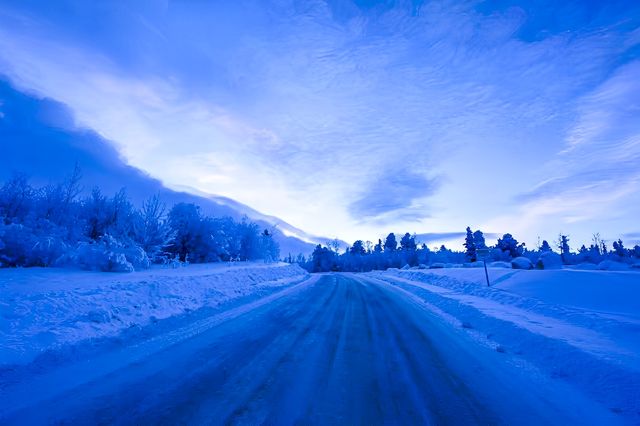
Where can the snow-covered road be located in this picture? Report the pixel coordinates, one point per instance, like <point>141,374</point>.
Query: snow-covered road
<point>335,349</point>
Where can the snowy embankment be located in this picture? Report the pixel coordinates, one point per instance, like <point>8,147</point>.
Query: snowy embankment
<point>582,327</point>
<point>48,310</point>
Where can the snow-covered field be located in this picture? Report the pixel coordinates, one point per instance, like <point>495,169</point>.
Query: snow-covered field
<point>580,326</point>
<point>50,310</point>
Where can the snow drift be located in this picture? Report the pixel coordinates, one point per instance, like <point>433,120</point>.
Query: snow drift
<point>46,309</point>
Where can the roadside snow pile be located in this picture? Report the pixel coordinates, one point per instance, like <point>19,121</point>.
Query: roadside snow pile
<point>549,260</point>
<point>610,265</point>
<point>575,325</point>
<point>45,309</point>
<point>521,263</point>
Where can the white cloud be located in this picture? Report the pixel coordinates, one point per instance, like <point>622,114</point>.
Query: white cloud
<point>299,113</point>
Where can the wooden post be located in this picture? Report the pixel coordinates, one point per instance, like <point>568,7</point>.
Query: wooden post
<point>483,253</point>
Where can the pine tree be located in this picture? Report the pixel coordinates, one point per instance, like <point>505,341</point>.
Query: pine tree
<point>563,246</point>
<point>478,240</point>
<point>470,246</point>
<point>390,243</point>
<point>408,243</point>
<point>619,249</point>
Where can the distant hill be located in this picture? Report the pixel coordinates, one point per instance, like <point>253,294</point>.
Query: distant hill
<point>40,138</point>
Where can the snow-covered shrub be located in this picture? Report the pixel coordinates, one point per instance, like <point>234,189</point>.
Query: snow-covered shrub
<point>107,254</point>
<point>549,260</point>
<point>17,242</point>
<point>24,246</point>
<point>95,256</point>
<point>151,229</point>
<point>136,256</point>
<point>521,263</point>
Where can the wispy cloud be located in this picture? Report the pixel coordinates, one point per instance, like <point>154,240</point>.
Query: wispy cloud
<point>602,150</point>
<point>336,116</point>
<point>396,190</point>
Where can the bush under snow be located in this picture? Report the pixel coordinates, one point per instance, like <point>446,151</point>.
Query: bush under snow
<point>549,260</point>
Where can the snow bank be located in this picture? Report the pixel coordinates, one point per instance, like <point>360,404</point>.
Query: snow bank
<point>549,260</point>
<point>577,326</point>
<point>43,309</point>
<point>521,263</point>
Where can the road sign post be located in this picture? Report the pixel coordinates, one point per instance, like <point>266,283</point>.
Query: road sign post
<point>483,254</point>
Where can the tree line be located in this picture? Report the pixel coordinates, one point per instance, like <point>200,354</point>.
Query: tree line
<point>366,256</point>
<point>56,225</point>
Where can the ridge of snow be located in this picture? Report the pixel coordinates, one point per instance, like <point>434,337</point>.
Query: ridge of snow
<point>47,309</point>
<point>598,350</point>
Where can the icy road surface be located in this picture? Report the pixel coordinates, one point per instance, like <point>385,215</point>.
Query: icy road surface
<point>335,349</point>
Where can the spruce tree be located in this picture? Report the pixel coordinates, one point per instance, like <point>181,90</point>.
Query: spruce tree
<point>470,246</point>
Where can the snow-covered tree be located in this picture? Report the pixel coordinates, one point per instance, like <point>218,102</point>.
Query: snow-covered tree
<point>390,243</point>
<point>16,198</point>
<point>470,246</point>
<point>152,230</point>
<point>618,249</point>
<point>563,247</point>
<point>509,246</point>
<point>357,248</point>
<point>478,240</point>
<point>408,242</point>
<point>269,247</point>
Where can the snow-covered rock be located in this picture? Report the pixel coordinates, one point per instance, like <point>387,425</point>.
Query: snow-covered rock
<point>610,265</point>
<point>521,263</point>
<point>549,260</point>
<point>406,267</point>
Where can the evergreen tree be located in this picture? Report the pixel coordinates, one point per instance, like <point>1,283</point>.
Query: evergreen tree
<point>509,246</point>
<point>478,240</point>
<point>390,243</point>
<point>470,246</point>
<point>563,246</point>
<point>408,243</point>
<point>619,249</point>
<point>357,248</point>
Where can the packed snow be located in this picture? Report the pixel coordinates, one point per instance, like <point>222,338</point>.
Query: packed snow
<point>577,325</point>
<point>45,309</point>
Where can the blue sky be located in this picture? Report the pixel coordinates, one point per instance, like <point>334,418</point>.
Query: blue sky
<point>356,118</point>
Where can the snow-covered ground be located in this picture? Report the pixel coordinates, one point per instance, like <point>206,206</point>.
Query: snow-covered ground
<point>580,326</point>
<point>48,310</point>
